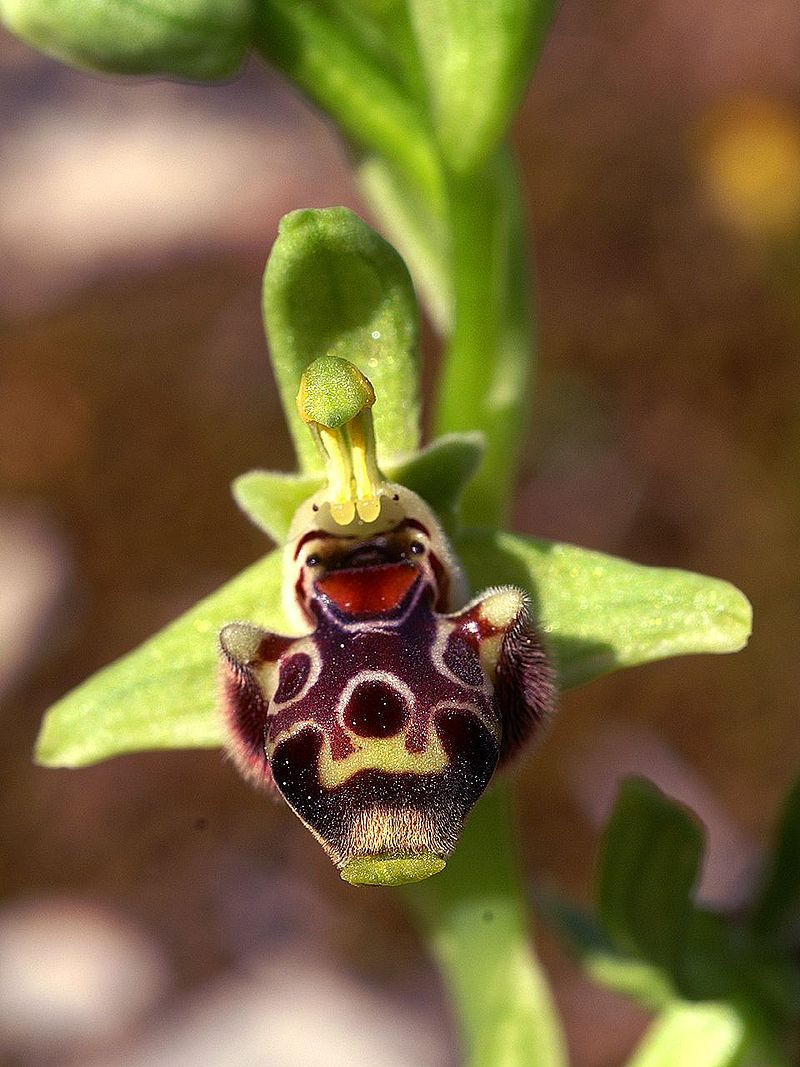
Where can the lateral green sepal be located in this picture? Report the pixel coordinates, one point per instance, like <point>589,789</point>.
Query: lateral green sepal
<point>599,613</point>
<point>164,693</point>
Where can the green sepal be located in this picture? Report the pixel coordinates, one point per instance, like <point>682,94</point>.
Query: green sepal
<point>197,39</point>
<point>599,613</point>
<point>334,287</point>
<point>439,473</point>
<point>163,694</point>
<point>477,59</point>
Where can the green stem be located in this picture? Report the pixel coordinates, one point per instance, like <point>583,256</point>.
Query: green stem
<point>474,912</point>
<point>474,918</point>
<point>487,369</point>
<point>373,110</point>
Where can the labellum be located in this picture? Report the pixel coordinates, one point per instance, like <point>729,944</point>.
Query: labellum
<point>383,722</point>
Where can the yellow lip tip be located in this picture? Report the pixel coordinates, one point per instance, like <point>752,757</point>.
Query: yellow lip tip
<point>392,870</point>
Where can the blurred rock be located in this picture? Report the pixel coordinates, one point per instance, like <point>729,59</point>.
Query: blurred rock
<point>115,176</point>
<point>34,571</point>
<point>293,1011</point>
<point>71,975</point>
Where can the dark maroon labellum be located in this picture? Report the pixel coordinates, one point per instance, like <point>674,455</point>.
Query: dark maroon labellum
<point>383,724</point>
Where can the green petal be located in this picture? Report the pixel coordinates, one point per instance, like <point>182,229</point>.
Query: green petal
<point>439,473</point>
<point>163,694</point>
<point>270,499</point>
<point>333,287</point>
<point>600,613</point>
<point>477,59</point>
<point>203,39</point>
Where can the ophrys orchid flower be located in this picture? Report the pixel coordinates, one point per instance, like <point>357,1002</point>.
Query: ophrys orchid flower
<point>383,722</point>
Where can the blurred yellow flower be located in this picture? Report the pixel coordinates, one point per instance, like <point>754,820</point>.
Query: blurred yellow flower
<point>749,155</point>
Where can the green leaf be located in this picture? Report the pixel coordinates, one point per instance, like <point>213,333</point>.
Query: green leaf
<point>778,901</point>
<point>700,1035</point>
<point>600,613</point>
<point>648,867</point>
<point>601,960</point>
<point>202,39</point>
<point>334,287</point>
<point>164,694</point>
<point>477,58</point>
<point>439,473</point>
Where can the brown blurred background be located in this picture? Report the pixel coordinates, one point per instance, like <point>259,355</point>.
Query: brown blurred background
<point>154,910</point>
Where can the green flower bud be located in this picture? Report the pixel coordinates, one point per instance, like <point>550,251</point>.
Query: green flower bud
<point>202,39</point>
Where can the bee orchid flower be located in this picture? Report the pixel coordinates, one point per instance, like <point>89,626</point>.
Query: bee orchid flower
<point>383,722</point>
<point>383,664</point>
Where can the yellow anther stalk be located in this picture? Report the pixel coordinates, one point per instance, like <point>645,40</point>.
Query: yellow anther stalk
<point>368,480</point>
<point>339,468</point>
<point>335,401</point>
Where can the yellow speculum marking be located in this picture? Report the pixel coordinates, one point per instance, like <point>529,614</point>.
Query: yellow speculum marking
<point>387,754</point>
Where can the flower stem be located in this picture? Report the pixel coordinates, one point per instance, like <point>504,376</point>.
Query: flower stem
<point>474,912</point>
<point>474,918</point>
<point>487,370</point>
